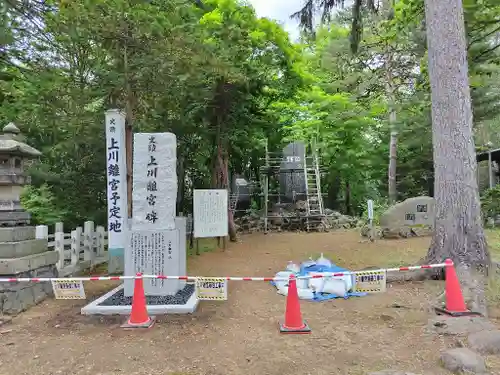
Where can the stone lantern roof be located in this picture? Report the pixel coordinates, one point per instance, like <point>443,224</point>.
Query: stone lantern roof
<point>12,143</point>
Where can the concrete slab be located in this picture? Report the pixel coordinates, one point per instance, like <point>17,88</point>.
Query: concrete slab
<point>21,249</point>
<point>16,266</point>
<point>15,234</point>
<point>93,308</point>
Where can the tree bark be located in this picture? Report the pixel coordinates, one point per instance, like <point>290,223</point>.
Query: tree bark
<point>348,208</point>
<point>220,171</point>
<point>458,232</point>
<point>181,178</point>
<point>334,191</point>
<point>391,106</point>
<point>393,145</point>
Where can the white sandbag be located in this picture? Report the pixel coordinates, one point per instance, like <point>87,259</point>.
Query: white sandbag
<point>307,263</point>
<point>292,267</point>
<point>282,289</point>
<point>302,293</point>
<point>334,286</point>
<point>305,293</point>
<point>347,279</point>
<point>322,261</point>
<point>282,284</point>
<point>302,283</point>
<point>316,284</point>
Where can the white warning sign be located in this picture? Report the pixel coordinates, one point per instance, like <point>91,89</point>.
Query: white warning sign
<point>371,281</point>
<point>211,288</point>
<point>68,289</point>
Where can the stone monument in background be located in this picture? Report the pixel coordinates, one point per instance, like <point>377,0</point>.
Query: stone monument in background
<point>292,178</point>
<point>21,255</point>
<point>412,217</point>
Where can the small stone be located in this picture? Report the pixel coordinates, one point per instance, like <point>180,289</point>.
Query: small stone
<point>386,318</point>
<point>463,360</point>
<point>485,342</point>
<point>398,306</point>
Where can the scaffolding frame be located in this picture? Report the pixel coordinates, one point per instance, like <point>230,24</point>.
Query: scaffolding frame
<point>310,167</point>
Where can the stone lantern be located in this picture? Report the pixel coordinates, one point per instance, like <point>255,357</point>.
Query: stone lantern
<point>14,155</point>
<point>21,254</point>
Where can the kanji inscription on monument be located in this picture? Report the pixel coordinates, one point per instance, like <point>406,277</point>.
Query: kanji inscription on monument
<point>153,253</point>
<point>117,188</point>
<point>154,240</point>
<point>155,181</point>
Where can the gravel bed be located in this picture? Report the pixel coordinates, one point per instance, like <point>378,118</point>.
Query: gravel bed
<point>180,298</point>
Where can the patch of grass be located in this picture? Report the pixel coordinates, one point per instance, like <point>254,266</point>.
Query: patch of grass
<point>406,256</point>
<point>205,245</point>
<point>493,291</point>
<point>389,259</point>
<point>493,236</point>
<point>100,269</point>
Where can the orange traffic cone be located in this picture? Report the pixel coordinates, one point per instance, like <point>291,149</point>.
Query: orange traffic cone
<point>139,317</point>
<point>454,299</point>
<point>293,316</point>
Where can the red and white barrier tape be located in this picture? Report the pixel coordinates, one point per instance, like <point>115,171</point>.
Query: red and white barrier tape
<point>230,278</point>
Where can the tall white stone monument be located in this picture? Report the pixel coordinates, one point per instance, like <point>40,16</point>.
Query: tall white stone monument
<point>116,171</point>
<point>154,242</point>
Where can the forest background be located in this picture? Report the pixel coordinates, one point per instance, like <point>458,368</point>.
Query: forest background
<point>226,82</point>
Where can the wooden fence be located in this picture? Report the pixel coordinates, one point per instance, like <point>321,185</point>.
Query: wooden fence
<point>83,248</point>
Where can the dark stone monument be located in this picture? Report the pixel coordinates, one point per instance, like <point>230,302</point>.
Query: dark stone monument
<point>292,179</point>
<point>245,191</point>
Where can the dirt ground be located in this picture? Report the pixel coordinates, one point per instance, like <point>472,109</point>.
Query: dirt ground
<point>240,336</point>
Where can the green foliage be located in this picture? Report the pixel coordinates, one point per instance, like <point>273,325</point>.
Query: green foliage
<point>226,82</point>
<point>379,207</point>
<point>41,204</point>
<point>490,202</point>
<point>208,75</point>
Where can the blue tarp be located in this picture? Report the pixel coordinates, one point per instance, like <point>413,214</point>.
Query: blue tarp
<point>305,270</point>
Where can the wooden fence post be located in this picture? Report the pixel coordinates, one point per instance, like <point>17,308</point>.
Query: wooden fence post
<point>100,240</point>
<point>76,239</point>
<point>79,235</point>
<point>59,228</point>
<point>41,232</point>
<point>88,237</point>
<point>59,247</point>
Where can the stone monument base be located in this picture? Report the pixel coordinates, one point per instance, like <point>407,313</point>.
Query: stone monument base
<point>115,303</point>
<point>23,256</point>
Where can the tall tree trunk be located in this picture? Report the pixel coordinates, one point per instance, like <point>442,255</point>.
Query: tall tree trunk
<point>181,178</point>
<point>393,145</point>
<point>348,209</point>
<point>129,128</point>
<point>333,192</point>
<point>458,232</point>
<point>390,92</point>
<point>220,172</point>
